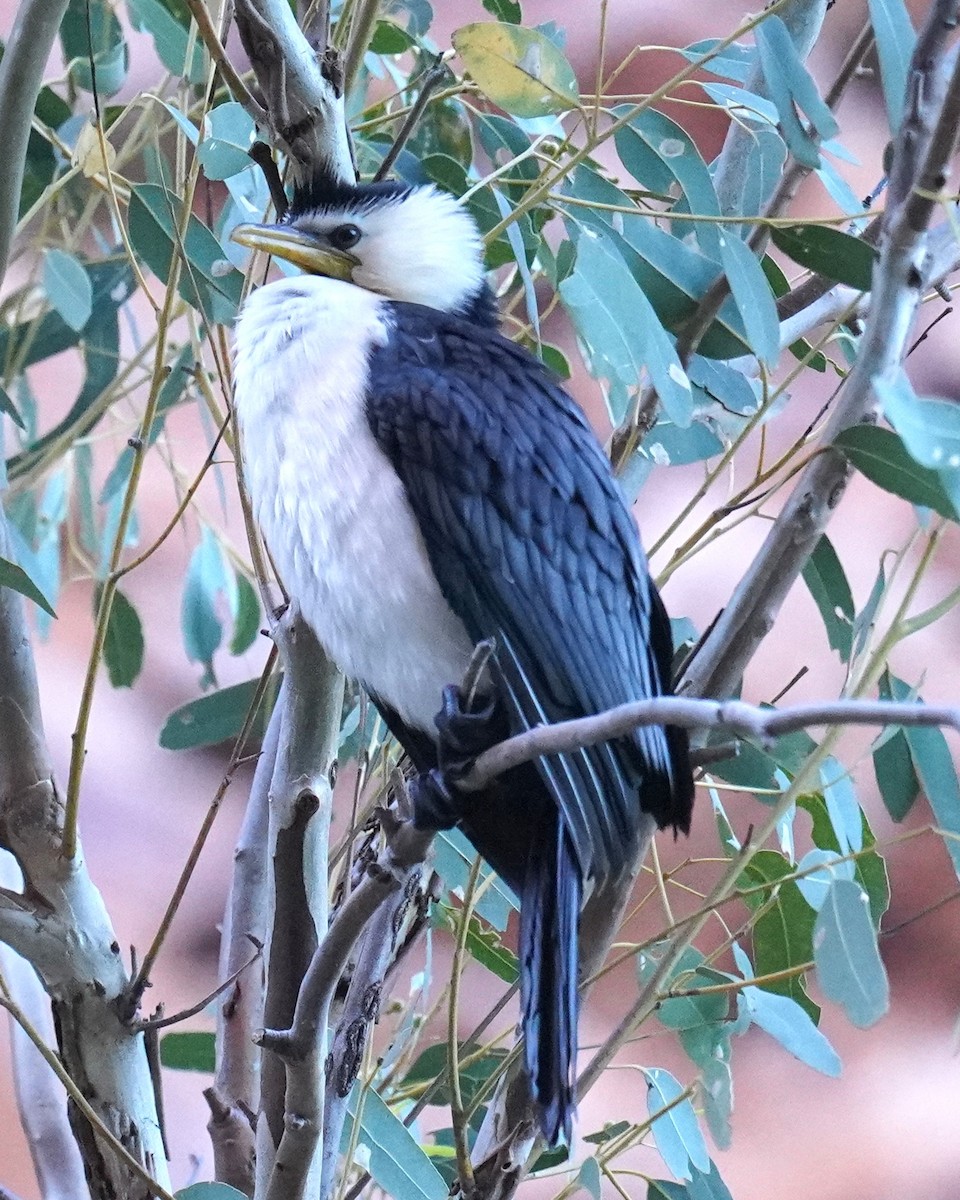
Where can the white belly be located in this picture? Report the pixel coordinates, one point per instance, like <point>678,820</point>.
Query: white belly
<point>332,510</point>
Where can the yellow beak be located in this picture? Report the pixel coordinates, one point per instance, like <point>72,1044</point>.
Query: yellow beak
<point>299,248</point>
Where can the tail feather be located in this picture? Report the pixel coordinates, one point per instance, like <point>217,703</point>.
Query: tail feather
<point>549,918</point>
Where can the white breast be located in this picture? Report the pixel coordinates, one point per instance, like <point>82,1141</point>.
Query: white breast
<point>332,509</point>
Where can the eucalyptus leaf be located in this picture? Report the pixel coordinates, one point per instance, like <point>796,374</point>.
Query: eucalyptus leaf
<point>677,1132</point>
<point>829,252</point>
<point>519,69</point>
<point>824,576</point>
<point>849,968</point>
<point>123,646</point>
<point>892,760</point>
<point>188,1052</point>
<point>398,1164</point>
<point>881,455</point>
<point>68,287</point>
<point>895,40</point>
<point>209,1191</point>
<point>209,720</point>
<point>171,38</point>
<point>792,87</point>
<point>15,577</point>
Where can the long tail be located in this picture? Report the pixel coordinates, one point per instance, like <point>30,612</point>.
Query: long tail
<point>549,917</point>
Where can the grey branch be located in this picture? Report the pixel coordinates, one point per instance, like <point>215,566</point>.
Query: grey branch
<point>921,153</point>
<point>21,74</point>
<point>746,720</point>
<point>303,93</point>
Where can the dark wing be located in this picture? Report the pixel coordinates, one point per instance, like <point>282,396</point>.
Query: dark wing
<point>532,543</point>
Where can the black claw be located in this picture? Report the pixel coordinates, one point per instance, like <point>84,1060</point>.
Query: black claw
<point>465,731</point>
<point>434,802</point>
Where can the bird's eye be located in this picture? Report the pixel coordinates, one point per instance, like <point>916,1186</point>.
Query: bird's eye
<point>345,237</point>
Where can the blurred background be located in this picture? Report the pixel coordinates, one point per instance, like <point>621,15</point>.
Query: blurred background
<point>889,1127</point>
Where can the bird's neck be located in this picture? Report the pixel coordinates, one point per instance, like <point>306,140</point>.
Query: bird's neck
<point>481,308</point>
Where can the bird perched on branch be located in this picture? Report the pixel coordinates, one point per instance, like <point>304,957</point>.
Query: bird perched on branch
<point>423,484</point>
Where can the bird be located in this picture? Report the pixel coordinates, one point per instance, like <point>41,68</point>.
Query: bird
<point>424,484</point>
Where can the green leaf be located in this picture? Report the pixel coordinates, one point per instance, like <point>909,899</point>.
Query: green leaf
<point>246,623</point>
<point>829,252</point>
<point>189,1052</point>
<point>518,69</point>
<point>610,1130</point>
<point>504,10</point>
<point>783,932</point>
<point>895,40</point>
<point>68,287</point>
<point>15,577</point>
<point>207,281</point>
<point>431,1065</point>
<point>91,30</point>
<point>869,869</point>
<point>753,298</point>
<point>933,764</point>
<point>389,38</point>
<point>825,577</point>
<point>229,133</point>
<point>892,761</point>
<point>7,406</point>
<point>123,647</point>
<point>212,719</point>
<point>881,456</point>
<point>398,1163</point>
<point>210,1191</point>
<point>792,87</point>
<point>849,969</point>
<point>677,1132</point>
<point>171,37</point>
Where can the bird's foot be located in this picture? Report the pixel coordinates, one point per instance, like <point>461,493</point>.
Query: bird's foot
<point>434,801</point>
<point>466,729</point>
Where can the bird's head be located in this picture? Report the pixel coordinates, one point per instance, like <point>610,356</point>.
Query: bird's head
<point>413,244</point>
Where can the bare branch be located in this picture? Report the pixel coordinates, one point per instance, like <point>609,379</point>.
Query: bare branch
<point>747,720</point>
<point>303,95</point>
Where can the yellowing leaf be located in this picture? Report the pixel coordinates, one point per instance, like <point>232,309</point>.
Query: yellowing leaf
<point>519,69</point>
<point>88,155</point>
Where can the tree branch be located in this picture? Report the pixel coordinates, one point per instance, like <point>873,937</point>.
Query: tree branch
<point>923,145</point>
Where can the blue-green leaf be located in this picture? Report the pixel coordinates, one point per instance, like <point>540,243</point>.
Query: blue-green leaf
<point>735,61</point>
<point>825,577</point>
<point>212,719</point>
<point>453,859</point>
<point>753,298</point>
<point>791,87</point>
<point>785,1021</point>
<point>686,1012</point>
<point>170,37</point>
<point>7,406</point>
<point>929,427</point>
<point>68,287</point>
<point>933,764</point>
<point>201,627</point>
<point>817,870</point>
<point>895,39</point>
<point>228,134</point>
<point>90,30</point>
<point>849,968</point>
<point>589,1177</point>
<point>892,760</point>
<point>661,155</point>
<point>677,1133</point>
<point>398,1164</point>
<point>15,577</point>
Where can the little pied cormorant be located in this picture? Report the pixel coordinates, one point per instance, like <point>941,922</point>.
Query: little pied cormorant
<point>423,484</point>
